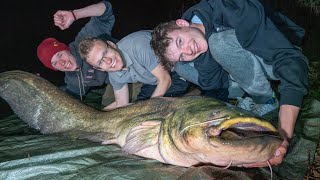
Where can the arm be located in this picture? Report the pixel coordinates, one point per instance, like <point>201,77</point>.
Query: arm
<point>137,47</point>
<point>98,26</point>
<point>63,19</point>
<point>121,98</point>
<point>101,23</point>
<point>164,81</point>
<point>253,26</point>
<point>288,115</point>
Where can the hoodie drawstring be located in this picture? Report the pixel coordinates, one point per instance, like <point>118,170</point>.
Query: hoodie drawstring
<point>81,83</point>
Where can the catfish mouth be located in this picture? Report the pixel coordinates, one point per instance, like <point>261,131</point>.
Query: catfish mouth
<point>238,134</point>
<point>242,128</point>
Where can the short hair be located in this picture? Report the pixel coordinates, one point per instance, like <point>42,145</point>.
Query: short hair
<point>160,41</point>
<point>86,45</point>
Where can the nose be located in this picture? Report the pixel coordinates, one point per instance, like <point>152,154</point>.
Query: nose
<point>62,62</point>
<point>186,50</point>
<point>107,60</point>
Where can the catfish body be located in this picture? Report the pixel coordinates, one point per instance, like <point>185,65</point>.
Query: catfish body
<point>180,131</point>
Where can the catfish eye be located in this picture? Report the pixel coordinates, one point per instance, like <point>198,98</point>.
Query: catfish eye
<point>216,112</point>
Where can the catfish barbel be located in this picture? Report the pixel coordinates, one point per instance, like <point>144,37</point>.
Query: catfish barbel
<point>183,131</point>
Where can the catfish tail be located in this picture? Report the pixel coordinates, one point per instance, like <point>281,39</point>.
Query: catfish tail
<point>41,104</point>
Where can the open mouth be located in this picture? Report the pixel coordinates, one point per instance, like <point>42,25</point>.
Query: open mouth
<point>241,128</point>
<point>237,134</point>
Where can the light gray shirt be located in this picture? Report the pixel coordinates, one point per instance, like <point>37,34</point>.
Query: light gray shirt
<point>139,60</point>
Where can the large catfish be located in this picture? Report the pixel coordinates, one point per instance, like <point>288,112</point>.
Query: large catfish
<point>180,131</point>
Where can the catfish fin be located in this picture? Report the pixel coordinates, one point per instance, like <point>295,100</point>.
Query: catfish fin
<point>142,136</point>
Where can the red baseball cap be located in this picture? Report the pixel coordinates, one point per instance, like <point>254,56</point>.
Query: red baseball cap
<point>47,49</point>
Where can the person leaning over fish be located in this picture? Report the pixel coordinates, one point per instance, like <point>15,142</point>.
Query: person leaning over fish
<point>249,41</point>
<point>131,60</point>
<point>55,55</point>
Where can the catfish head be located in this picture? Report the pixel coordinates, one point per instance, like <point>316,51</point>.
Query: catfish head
<point>211,132</point>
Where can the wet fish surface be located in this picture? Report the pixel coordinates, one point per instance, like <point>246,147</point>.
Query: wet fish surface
<point>182,131</point>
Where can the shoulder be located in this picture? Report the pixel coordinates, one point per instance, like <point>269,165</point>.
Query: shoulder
<point>137,38</point>
<point>113,76</point>
<point>137,46</point>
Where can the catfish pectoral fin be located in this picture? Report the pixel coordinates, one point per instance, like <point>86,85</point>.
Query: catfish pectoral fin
<point>142,136</point>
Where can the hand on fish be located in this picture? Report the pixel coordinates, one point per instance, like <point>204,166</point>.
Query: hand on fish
<point>275,160</point>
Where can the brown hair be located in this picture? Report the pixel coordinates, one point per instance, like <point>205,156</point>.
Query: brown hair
<point>85,46</point>
<point>160,41</point>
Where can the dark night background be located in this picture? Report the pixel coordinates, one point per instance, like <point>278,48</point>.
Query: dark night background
<point>24,24</point>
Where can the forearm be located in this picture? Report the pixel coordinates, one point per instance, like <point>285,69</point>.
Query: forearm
<point>90,11</point>
<point>162,87</point>
<point>121,98</point>
<point>288,115</point>
<point>163,81</point>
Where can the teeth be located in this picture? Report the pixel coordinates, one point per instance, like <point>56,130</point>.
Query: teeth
<point>113,63</point>
<point>196,48</point>
<point>68,64</point>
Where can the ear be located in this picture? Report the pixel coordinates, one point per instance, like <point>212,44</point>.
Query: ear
<point>182,23</point>
<point>112,44</point>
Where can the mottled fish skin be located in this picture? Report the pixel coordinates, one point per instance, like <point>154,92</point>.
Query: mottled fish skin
<point>180,131</point>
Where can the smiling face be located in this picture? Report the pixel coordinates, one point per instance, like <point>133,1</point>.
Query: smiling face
<point>64,61</point>
<point>187,43</point>
<point>105,57</point>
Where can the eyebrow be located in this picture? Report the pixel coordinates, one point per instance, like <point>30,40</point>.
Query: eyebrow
<point>59,55</point>
<point>55,62</point>
<point>177,43</point>
<point>105,51</point>
<point>103,54</point>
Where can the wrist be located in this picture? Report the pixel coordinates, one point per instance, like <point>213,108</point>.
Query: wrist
<point>74,16</point>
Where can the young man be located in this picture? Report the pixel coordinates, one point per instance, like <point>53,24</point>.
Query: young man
<point>252,43</point>
<point>55,55</point>
<point>131,60</point>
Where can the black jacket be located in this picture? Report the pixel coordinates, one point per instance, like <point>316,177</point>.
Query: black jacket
<point>266,33</point>
<point>80,81</point>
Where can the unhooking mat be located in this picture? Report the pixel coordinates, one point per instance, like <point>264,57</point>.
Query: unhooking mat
<point>26,154</point>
